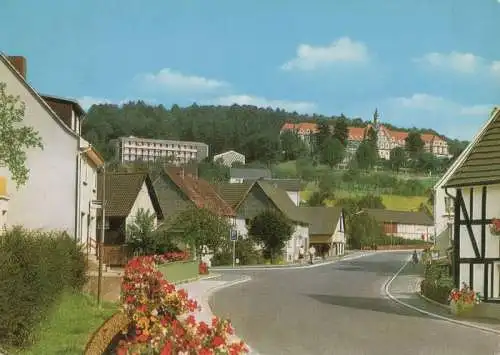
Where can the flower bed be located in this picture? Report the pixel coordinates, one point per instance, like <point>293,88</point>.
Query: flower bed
<point>462,301</point>
<point>161,321</point>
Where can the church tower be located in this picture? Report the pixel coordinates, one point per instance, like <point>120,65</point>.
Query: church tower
<point>376,122</point>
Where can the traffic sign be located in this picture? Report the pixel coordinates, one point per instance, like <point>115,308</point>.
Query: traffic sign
<point>233,235</point>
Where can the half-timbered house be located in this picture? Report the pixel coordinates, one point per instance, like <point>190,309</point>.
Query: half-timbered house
<point>474,188</point>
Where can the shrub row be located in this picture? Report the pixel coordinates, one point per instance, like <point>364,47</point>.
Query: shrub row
<point>35,269</point>
<point>388,240</point>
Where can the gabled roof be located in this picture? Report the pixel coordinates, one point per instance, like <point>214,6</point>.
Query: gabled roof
<point>322,220</point>
<point>122,190</point>
<point>234,194</point>
<point>34,93</point>
<point>199,191</point>
<point>480,161</point>
<point>250,174</point>
<point>227,152</point>
<point>64,100</point>
<point>286,184</point>
<point>282,202</point>
<point>400,217</point>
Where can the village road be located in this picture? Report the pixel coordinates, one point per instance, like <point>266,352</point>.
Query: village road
<point>339,309</point>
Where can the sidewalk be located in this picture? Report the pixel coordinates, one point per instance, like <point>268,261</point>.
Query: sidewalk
<point>201,291</point>
<point>406,288</point>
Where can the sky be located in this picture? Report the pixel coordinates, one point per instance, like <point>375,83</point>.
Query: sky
<point>421,63</point>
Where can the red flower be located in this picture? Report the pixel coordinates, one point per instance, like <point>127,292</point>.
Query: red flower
<point>218,341</point>
<point>167,348</point>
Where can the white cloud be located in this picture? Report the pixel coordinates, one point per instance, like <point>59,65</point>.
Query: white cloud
<point>460,62</point>
<point>299,106</point>
<point>445,116</point>
<point>87,101</point>
<point>314,57</point>
<point>174,81</point>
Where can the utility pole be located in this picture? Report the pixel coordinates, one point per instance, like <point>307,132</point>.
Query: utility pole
<point>101,237</point>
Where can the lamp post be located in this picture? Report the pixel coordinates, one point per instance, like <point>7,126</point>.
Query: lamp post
<point>101,237</point>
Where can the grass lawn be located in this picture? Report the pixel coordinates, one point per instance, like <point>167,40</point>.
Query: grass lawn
<point>179,271</point>
<point>68,327</point>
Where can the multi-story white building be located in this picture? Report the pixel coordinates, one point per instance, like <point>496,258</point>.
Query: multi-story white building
<point>129,149</point>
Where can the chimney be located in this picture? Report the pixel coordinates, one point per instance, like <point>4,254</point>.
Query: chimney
<point>19,63</point>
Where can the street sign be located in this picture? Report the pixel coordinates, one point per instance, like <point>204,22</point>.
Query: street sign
<point>233,235</point>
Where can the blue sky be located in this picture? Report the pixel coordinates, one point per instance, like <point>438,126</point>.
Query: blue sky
<point>422,63</point>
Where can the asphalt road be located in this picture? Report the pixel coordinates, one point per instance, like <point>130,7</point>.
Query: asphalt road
<point>340,309</point>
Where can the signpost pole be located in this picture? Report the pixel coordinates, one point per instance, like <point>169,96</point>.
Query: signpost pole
<point>234,254</point>
<point>233,235</point>
<point>101,237</point>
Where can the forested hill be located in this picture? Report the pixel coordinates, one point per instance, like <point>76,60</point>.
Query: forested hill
<point>247,129</point>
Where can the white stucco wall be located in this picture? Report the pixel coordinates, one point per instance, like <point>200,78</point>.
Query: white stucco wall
<point>414,231</point>
<point>88,192</point>
<point>339,235</point>
<point>299,237</point>
<point>294,196</point>
<point>48,200</point>
<point>143,201</point>
<point>240,226</point>
<point>235,181</point>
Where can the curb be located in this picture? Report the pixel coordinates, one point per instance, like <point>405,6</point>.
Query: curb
<point>206,304</point>
<point>308,266</point>
<point>427,299</point>
<point>198,278</point>
<point>388,294</point>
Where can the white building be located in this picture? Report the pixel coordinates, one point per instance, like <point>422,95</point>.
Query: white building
<point>474,187</point>
<point>443,202</point>
<point>52,198</point>
<point>229,157</point>
<point>129,149</point>
<point>404,224</point>
<point>326,229</point>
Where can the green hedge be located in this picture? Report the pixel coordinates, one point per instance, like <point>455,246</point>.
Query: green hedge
<point>36,269</point>
<point>437,283</point>
<point>388,240</point>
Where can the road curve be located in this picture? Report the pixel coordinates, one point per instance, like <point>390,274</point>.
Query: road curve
<point>340,309</point>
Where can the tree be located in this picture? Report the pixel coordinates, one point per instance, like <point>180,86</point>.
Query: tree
<point>370,201</point>
<point>371,137</point>
<point>363,230</point>
<point>201,228</point>
<point>15,138</point>
<point>366,156</point>
<point>323,134</point>
<point>341,131</point>
<point>305,169</point>
<point>273,230</point>
<point>292,146</point>
<point>141,234</point>
<point>318,198</point>
<point>332,152</point>
<point>414,143</point>
<point>397,159</point>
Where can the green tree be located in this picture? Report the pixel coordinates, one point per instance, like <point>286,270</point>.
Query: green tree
<point>141,235</point>
<point>370,201</point>
<point>414,143</point>
<point>366,156</point>
<point>323,134</point>
<point>397,159</point>
<point>292,145</point>
<point>200,228</point>
<point>273,230</point>
<point>305,169</point>
<point>332,152</point>
<point>15,138</point>
<point>363,230</point>
<point>341,131</point>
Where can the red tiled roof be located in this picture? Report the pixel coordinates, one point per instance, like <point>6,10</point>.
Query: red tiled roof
<point>302,127</point>
<point>357,133</point>
<point>199,191</point>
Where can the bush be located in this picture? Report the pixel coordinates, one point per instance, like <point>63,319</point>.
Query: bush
<point>245,252</point>
<point>36,268</point>
<point>437,283</point>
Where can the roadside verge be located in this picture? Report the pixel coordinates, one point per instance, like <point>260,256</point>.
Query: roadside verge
<point>410,293</point>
